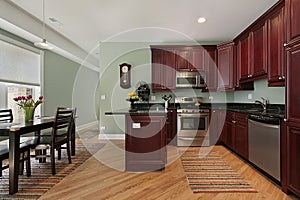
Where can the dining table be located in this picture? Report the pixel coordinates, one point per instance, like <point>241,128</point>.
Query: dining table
<point>18,128</point>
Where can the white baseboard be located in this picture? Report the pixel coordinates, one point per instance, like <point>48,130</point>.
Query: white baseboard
<point>89,125</point>
<point>111,136</point>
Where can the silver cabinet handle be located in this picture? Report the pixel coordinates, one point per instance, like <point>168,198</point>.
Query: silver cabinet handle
<point>285,120</point>
<point>283,77</point>
<point>284,44</point>
<point>280,78</point>
<point>250,75</point>
<point>233,121</point>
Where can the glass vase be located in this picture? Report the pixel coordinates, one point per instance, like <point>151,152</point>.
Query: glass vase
<point>29,113</point>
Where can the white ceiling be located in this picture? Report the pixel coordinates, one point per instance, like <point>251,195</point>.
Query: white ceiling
<point>88,22</point>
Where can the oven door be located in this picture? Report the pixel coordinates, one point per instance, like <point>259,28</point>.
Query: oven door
<point>192,125</point>
<point>192,129</point>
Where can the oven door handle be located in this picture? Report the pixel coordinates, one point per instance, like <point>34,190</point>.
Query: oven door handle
<point>188,139</point>
<point>193,115</point>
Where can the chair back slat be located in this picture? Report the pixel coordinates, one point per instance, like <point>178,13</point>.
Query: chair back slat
<point>6,115</point>
<point>62,123</point>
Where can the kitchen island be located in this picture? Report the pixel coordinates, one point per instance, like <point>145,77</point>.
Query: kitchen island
<point>145,139</point>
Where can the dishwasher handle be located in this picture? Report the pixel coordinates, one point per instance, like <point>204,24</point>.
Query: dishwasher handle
<point>263,124</point>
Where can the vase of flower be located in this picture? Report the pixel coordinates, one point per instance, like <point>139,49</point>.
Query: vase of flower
<point>28,105</point>
<point>29,113</point>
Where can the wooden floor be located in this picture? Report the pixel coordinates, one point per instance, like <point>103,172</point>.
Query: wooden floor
<point>94,180</point>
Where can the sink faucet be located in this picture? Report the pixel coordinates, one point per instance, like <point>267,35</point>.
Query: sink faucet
<point>264,102</point>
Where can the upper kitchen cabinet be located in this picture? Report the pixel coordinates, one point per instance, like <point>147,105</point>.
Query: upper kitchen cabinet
<point>189,58</point>
<point>211,69</point>
<point>276,52</point>
<point>163,70</point>
<point>293,19</point>
<point>243,58</point>
<point>252,54</point>
<point>226,66</point>
<point>258,54</point>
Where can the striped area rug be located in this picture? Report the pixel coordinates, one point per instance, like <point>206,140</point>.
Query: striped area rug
<point>208,172</point>
<point>41,179</point>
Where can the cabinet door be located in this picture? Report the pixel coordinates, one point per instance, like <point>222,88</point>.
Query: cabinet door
<point>145,143</point>
<point>293,19</point>
<point>163,71</point>
<point>211,69</point>
<point>244,58</point>
<point>197,58</point>
<point>169,71</point>
<point>258,59</point>
<point>293,180</point>
<point>230,129</point>
<point>225,66</point>
<point>182,60</point>
<point>293,83</point>
<point>157,70</point>
<point>172,127</point>
<point>276,52</point>
<point>241,134</point>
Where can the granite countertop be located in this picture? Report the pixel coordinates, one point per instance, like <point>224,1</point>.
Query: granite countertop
<point>138,112</point>
<point>273,110</point>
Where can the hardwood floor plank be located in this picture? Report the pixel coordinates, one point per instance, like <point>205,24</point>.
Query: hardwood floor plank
<point>94,180</point>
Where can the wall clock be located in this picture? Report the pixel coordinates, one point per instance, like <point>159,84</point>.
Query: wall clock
<point>125,75</point>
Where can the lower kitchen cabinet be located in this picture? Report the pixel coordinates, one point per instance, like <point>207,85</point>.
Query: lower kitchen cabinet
<point>293,161</point>
<point>171,127</point>
<point>235,133</point>
<point>145,142</point>
<point>216,124</point>
<point>241,134</point>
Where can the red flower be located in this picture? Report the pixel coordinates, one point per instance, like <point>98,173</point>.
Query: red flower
<point>41,97</point>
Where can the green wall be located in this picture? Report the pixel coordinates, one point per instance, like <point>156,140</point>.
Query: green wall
<point>139,56</point>
<point>59,76</point>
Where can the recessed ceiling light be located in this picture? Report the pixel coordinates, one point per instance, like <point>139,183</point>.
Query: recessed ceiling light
<point>201,20</point>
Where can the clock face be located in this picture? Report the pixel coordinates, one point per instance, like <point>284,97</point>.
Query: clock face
<point>124,69</point>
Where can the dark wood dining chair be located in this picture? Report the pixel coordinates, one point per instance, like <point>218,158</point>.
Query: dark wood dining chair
<point>60,135</point>
<point>6,116</point>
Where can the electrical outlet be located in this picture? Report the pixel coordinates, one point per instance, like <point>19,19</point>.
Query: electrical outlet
<point>250,96</point>
<point>210,97</point>
<point>102,128</point>
<point>103,97</point>
<point>152,98</point>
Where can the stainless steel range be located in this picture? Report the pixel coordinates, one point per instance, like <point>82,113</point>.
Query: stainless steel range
<point>192,122</point>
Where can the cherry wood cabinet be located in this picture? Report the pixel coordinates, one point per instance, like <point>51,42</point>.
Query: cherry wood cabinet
<point>145,143</point>
<point>240,144</point>
<point>235,133</point>
<point>216,124</point>
<point>252,54</point>
<point>163,69</point>
<point>293,96</point>
<point>171,126</point>
<point>243,55</point>
<point>226,66</point>
<point>189,58</point>
<point>211,68</point>
<point>258,54</point>
<point>276,52</point>
<point>293,19</point>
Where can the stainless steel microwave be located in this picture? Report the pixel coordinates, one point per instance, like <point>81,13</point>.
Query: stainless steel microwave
<point>190,80</point>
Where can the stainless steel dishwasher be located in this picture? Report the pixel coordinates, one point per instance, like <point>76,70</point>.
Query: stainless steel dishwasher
<point>264,143</point>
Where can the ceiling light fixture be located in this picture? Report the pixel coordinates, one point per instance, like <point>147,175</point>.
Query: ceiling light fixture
<point>201,20</point>
<point>43,44</point>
